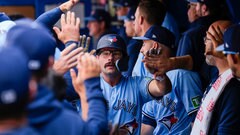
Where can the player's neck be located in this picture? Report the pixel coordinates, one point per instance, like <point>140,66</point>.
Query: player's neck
<point>112,79</point>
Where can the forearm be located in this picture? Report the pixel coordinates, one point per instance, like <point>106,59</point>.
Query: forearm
<point>97,114</point>
<point>159,88</point>
<point>181,62</point>
<point>50,17</point>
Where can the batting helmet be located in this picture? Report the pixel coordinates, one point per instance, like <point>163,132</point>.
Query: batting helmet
<point>111,41</point>
<point>116,42</point>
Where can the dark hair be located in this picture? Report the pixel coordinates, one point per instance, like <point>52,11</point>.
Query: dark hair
<point>153,10</point>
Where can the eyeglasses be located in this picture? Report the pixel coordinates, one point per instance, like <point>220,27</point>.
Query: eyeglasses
<point>115,53</point>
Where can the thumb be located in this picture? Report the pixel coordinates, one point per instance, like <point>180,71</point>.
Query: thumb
<point>57,30</point>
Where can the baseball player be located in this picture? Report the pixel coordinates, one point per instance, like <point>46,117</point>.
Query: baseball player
<point>173,113</point>
<point>125,96</point>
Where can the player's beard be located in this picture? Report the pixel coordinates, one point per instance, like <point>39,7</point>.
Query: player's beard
<point>210,60</point>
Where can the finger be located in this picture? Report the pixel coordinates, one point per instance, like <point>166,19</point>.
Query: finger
<point>73,75</point>
<point>92,52</point>
<point>216,36</point>
<point>78,22</point>
<point>63,20</point>
<point>68,49</point>
<point>68,18</point>
<point>73,18</point>
<point>83,41</point>
<point>80,41</point>
<point>220,33</point>
<point>72,60</point>
<point>74,64</point>
<point>74,53</point>
<point>57,30</point>
<point>87,43</point>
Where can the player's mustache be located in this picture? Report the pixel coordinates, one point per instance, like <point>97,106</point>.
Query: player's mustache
<point>109,64</point>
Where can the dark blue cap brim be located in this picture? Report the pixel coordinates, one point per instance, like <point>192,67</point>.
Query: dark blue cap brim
<point>117,5</point>
<point>90,18</point>
<point>192,0</point>
<point>141,38</point>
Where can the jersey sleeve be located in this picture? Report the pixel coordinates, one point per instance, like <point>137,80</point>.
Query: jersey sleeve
<point>148,114</point>
<point>190,91</point>
<point>142,85</point>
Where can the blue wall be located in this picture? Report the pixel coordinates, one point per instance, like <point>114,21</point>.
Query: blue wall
<point>40,4</point>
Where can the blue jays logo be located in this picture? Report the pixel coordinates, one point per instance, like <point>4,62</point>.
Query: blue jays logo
<point>114,39</point>
<point>130,126</point>
<point>169,121</point>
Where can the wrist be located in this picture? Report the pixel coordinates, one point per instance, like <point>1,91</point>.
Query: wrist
<point>172,62</point>
<point>69,42</point>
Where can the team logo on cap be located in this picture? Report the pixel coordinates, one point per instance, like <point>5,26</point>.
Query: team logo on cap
<point>169,121</point>
<point>114,39</point>
<point>154,36</point>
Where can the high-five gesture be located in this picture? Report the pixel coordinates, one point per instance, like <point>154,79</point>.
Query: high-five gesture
<point>70,30</point>
<point>68,5</point>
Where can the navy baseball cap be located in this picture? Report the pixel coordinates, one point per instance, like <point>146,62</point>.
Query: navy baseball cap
<point>3,17</point>
<point>99,15</point>
<point>14,80</point>
<point>124,3</point>
<point>131,15</point>
<point>231,39</point>
<point>35,40</point>
<point>160,35</point>
<point>111,41</point>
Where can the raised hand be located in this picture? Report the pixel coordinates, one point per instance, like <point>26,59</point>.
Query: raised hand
<point>217,39</point>
<point>88,67</point>
<point>68,59</point>
<point>70,28</point>
<point>68,5</point>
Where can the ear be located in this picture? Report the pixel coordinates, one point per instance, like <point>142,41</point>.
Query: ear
<point>32,89</point>
<point>102,25</point>
<point>156,45</point>
<point>141,20</point>
<point>50,61</point>
<point>204,10</point>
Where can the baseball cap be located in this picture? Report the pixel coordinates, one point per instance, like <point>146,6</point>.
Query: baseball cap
<point>231,39</point>
<point>160,35</point>
<point>124,3</point>
<point>131,15</point>
<point>5,25</point>
<point>111,41</point>
<point>14,79</point>
<point>35,40</point>
<point>99,15</point>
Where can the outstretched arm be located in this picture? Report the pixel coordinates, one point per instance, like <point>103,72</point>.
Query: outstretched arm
<point>50,17</point>
<point>89,72</point>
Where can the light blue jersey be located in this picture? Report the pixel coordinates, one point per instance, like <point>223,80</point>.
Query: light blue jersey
<point>139,69</point>
<point>172,112</point>
<point>125,101</point>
